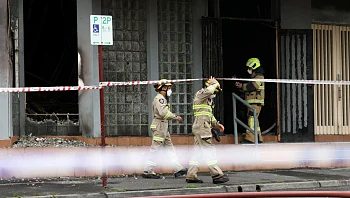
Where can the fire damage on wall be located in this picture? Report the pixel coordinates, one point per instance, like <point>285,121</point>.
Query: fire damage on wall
<point>50,59</point>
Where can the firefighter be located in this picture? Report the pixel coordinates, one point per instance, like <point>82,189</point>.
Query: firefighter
<point>201,128</point>
<point>254,95</point>
<point>160,135</point>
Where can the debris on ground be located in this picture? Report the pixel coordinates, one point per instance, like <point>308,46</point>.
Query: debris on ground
<point>32,141</point>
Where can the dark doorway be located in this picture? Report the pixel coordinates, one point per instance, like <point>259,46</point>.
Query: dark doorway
<point>244,39</point>
<point>50,54</point>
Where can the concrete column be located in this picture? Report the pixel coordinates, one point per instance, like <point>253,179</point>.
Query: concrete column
<point>5,74</point>
<point>295,14</point>
<point>201,10</point>
<point>89,101</point>
<point>22,102</point>
<point>152,54</point>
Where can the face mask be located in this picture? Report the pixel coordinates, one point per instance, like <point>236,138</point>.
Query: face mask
<point>250,71</point>
<point>169,92</point>
<point>212,96</point>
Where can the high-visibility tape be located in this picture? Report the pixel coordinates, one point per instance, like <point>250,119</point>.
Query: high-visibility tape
<point>132,83</point>
<point>47,89</point>
<point>294,81</point>
<point>111,84</point>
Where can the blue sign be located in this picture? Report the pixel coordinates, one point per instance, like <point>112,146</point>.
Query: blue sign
<point>96,28</point>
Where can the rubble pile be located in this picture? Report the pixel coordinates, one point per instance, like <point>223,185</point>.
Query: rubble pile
<point>32,141</point>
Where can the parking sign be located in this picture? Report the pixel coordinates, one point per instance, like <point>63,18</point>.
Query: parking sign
<point>101,30</point>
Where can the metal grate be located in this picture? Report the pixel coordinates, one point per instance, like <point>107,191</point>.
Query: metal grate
<point>212,56</point>
<point>52,124</point>
<point>126,110</point>
<point>14,60</point>
<point>175,57</point>
<point>345,75</point>
<point>15,113</point>
<point>296,99</point>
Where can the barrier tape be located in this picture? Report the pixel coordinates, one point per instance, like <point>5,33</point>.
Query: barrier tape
<point>314,82</point>
<point>43,89</point>
<point>132,83</point>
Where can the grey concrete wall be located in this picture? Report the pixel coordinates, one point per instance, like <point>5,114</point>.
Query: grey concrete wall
<point>5,75</point>
<point>152,54</point>
<point>89,101</point>
<point>295,14</point>
<point>201,10</point>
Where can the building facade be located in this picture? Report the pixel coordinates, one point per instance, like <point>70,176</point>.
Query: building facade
<point>178,39</point>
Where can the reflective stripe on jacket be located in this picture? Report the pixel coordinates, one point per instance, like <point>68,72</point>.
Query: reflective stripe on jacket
<point>255,90</point>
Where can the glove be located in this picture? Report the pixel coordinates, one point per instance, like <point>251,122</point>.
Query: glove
<point>216,134</point>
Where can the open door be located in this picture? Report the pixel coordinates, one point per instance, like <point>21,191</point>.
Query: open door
<point>212,63</point>
<point>244,39</point>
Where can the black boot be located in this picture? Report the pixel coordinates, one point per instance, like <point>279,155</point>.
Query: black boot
<point>221,180</point>
<point>150,175</point>
<point>194,181</point>
<point>244,141</point>
<point>181,172</point>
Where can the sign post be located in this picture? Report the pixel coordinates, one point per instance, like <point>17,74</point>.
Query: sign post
<point>101,33</point>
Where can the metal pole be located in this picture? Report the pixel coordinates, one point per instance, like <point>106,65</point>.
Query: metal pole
<point>278,87</point>
<point>102,101</point>
<point>255,128</point>
<point>234,119</point>
<point>102,114</point>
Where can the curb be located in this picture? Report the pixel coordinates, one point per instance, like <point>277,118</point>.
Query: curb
<point>88,195</point>
<point>290,185</point>
<point>333,183</point>
<point>209,190</point>
<point>165,192</point>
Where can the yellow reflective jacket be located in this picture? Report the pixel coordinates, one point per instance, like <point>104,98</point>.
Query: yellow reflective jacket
<point>255,91</point>
<point>203,112</point>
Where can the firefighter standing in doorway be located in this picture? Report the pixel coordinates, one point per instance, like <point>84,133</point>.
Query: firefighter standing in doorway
<point>201,128</point>
<point>254,95</point>
<point>161,136</point>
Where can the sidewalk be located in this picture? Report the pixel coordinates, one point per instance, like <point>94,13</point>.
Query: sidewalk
<point>136,186</point>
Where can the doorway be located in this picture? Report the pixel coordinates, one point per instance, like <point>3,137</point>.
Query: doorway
<point>244,39</point>
<point>331,62</point>
<point>50,59</point>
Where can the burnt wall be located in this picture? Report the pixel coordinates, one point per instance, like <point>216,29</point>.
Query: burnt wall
<point>331,12</point>
<point>295,14</point>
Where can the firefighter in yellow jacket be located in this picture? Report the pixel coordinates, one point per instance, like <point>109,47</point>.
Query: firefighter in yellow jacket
<point>254,95</point>
<point>161,137</point>
<point>201,128</point>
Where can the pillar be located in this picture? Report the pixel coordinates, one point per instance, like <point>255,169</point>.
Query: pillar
<point>152,54</point>
<point>5,74</point>
<point>89,101</point>
<point>201,10</point>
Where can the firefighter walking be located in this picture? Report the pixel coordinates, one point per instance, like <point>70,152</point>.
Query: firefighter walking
<point>201,128</point>
<point>254,95</point>
<point>160,135</point>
